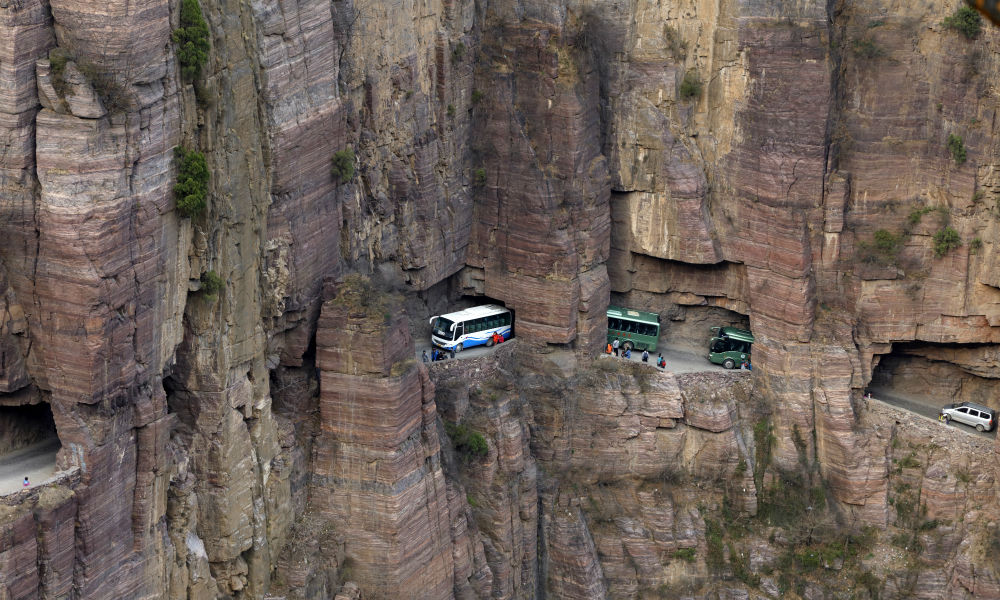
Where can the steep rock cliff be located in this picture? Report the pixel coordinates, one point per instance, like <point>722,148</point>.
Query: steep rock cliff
<point>709,161</point>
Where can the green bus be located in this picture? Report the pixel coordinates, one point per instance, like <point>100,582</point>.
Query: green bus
<point>729,346</point>
<point>633,328</point>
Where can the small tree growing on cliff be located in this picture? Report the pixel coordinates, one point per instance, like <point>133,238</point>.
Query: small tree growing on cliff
<point>192,40</point>
<point>211,284</point>
<point>690,86</point>
<point>191,189</point>
<point>466,441</point>
<point>957,148</point>
<point>343,165</point>
<point>966,21</point>
<point>945,241</point>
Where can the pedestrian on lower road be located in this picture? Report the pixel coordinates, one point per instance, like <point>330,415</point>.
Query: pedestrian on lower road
<point>614,346</point>
<point>26,484</point>
<point>628,353</point>
<point>452,352</point>
<point>645,356</point>
<point>424,355</point>
<point>434,355</point>
<point>660,362</point>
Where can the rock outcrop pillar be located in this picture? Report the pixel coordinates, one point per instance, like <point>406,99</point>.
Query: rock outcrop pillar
<point>378,475</point>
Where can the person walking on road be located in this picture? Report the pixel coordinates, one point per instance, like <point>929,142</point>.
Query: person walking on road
<point>424,355</point>
<point>26,484</point>
<point>661,362</point>
<point>614,346</point>
<point>645,356</point>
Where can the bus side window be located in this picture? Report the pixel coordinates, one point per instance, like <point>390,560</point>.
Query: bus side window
<point>506,319</point>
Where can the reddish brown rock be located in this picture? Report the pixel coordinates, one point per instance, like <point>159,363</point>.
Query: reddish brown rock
<point>376,474</point>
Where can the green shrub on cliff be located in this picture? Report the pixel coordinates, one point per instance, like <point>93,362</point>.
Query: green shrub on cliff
<point>945,241</point>
<point>690,86</point>
<point>343,165</point>
<point>191,189</point>
<point>479,177</point>
<point>466,441</point>
<point>192,40</point>
<point>867,48</point>
<point>957,148</point>
<point>965,20</point>
<point>882,250</point>
<point>211,284</point>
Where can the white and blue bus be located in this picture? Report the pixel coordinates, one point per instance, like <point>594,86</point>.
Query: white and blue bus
<point>470,327</point>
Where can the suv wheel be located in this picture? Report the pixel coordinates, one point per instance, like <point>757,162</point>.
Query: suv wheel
<point>980,427</point>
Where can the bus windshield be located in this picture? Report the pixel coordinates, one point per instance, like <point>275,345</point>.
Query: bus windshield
<point>442,328</point>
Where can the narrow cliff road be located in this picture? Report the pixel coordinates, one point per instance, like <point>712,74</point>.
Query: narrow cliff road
<point>37,462</point>
<point>924,406</point>
<point>679,359</point>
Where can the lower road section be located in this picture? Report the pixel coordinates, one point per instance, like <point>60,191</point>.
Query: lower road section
<point>37,462</point>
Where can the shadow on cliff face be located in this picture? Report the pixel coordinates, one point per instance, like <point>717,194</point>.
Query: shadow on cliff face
<point>937,374</point>
<point>23,426</point>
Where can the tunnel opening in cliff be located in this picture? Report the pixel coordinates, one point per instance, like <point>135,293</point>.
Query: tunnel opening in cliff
<point>25,426</point>
<point>683,326</point>
<point>935,374</point>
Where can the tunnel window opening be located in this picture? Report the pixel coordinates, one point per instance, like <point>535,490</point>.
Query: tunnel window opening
<point>923,377</point>
<point>683,327</point>
<point>24,426</point>
<point>29,445</point>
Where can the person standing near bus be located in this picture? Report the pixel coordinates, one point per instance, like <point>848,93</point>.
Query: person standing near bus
<point>608,350</point>
<point>645,356</point>
<point>614,346</point>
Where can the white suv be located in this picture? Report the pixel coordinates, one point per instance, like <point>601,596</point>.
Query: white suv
<point>981,417</point>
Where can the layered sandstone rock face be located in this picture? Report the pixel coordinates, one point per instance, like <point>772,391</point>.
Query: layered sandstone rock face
<point>378,487</point>
<point>709,161</point>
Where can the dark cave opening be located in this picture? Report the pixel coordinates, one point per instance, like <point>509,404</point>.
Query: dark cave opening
<point>27,425</point>
<point>931,375</point>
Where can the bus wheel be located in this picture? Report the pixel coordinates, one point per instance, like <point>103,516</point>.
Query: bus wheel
<point>459,348</point>
<point>489,342</point>
<point>729,363</point>
<point>628,346</point>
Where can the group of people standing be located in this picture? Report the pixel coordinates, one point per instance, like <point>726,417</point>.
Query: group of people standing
<point>614,347</point>
<point>437,355</point>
